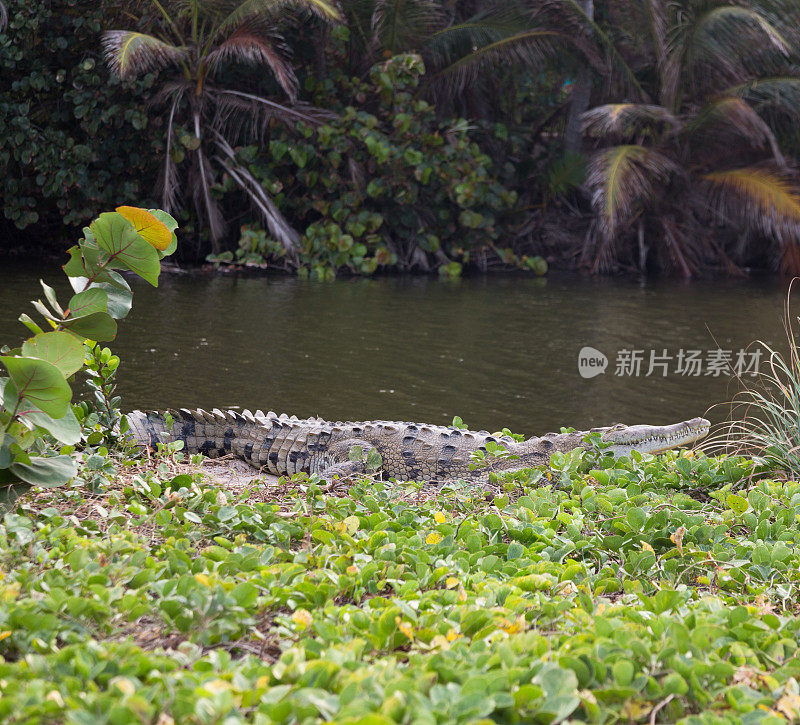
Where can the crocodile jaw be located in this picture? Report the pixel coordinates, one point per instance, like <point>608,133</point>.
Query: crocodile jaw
<point>653,438</point>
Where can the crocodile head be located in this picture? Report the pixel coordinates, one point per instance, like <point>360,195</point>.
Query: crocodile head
<point>652,438</point>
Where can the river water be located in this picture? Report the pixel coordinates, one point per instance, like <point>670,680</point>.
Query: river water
<point>497,351</point>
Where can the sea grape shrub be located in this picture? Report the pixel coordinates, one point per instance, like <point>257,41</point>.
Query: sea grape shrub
<point>392,186</point>
<point>39,428</point>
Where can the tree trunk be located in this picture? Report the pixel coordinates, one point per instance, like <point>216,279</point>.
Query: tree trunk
<point>581,94</point>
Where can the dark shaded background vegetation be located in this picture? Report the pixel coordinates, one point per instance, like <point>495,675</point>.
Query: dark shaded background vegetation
<point>411,134</point>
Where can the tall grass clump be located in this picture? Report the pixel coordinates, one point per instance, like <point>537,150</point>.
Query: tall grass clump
<point>764,418</point>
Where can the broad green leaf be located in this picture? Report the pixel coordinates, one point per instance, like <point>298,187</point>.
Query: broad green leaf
<point>5,450</point>
<point>147,226</point>
<point>737,503</point>
<point>59,348</point>
<point>65,429</point>
<point>88,302</point>
<point>39,382</point>
<point>126,249</point>
<point>46,472</point>
<point>636,518</point>
<point>85,261</point>
<point>118,292</point>
<point>98,326</point>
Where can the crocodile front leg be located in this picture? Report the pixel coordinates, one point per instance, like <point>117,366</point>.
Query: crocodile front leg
<point>339,466</point>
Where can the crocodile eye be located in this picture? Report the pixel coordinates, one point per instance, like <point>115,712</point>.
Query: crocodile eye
<point>618,426</point>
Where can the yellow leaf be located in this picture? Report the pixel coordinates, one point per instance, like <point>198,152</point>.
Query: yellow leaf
<point>647,547</point>
<point>351,522</point>
<point>203,579</point>
<point>677,538</point>
<point>439,517</point>
<point>153,231</point>
<point>55,696</point>
<point>302,618</point>
<point>262,681</point>
<point>514,627</point>
<point>217,686</point>
<point>352,570</point>
<point>452,635</point>
<point>433,538</point>
<point>125,685</point>
<point>451,582</point>
<point>4,634</point>
<point>405,628</point>
<point>10,593</point>
<point>440,641</point>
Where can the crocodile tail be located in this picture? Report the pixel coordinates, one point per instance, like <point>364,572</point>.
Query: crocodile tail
<point>148,429</point>
<point>200,431</point>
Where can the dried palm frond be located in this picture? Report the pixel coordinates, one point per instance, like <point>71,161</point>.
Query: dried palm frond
<point>238,112</point>
<point>279,228</point>
<point>625,119</point>
<point>763,198</point>
<point>620,178</point>
<point>130,54</point>
<point>738,118</point>
<point>3,16</point>
<point>169,178</point>
<point>254,46</point>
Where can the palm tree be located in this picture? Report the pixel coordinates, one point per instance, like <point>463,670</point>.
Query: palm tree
<point>705,156</point>
<point>203,42</point>
<point>473,53</point>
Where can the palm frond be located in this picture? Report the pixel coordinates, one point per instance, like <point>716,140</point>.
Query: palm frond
<point>619,71</point>
<point>401,25</point>
<point>622,177</point>
<point>247,10</point>
<point>729,116</point>
<point>205,203</point>
<point>626,119</point>
<point>279,228</point>
<point>253,47</point>
<point>131,54</point>
<point>169,178</point>
<point>781,93</point>
<point>722,43</point>
<point>527,47</point>
<point>3,16</point>
<point>250,114</point>
<point>763,198</point>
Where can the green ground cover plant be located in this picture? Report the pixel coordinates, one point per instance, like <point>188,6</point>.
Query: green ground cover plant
<point>646,590</point>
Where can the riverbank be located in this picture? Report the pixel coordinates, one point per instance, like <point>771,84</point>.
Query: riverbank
<point>660,591</point>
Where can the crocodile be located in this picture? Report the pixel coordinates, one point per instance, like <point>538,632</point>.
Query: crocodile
<point>285,445</point>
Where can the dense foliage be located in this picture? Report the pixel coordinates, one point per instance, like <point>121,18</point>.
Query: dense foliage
<point>651,135</point>
<point>73,139</point>
<point>393,187</point>
<point>650,590</point>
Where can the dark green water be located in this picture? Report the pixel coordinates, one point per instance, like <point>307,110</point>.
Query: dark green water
<point>498,351</point>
